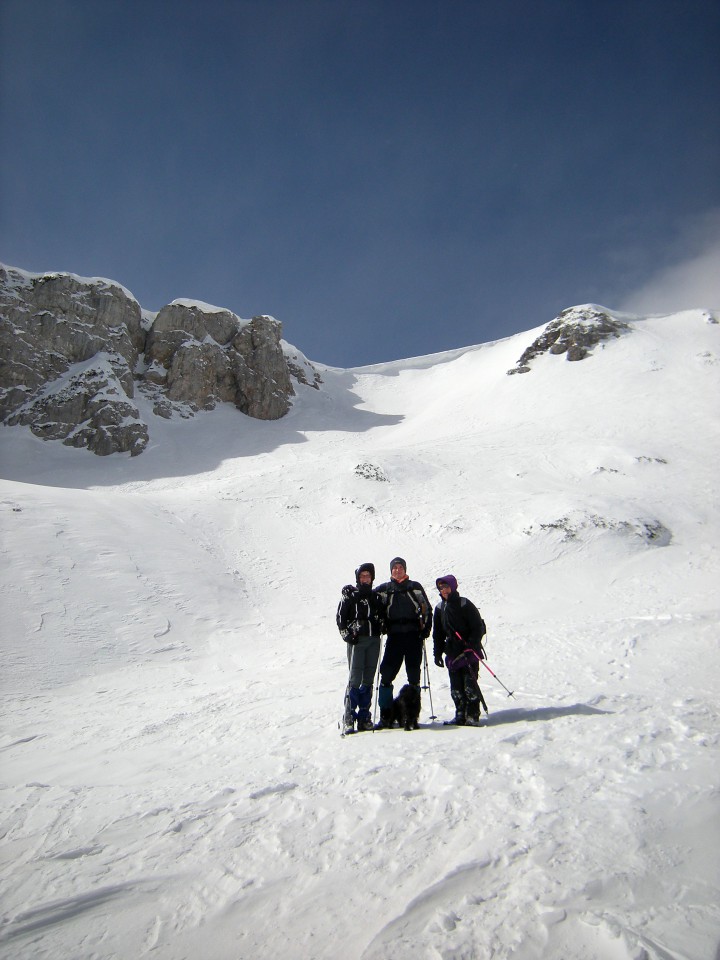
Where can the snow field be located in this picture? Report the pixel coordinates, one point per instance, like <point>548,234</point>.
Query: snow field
<point>173,781</point>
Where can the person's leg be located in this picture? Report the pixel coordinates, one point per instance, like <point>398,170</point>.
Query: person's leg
<point>413,659</point>
<point>349,714</point>
<point>370,661</point>
<point>389,668</point>
<point>472,695</point>
<point>371,651</point>
<point>391,661</point>
<point>457,692</point>
<point>413,650</point>
<point>356,662</point>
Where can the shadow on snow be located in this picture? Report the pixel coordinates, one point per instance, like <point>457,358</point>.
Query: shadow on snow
<point>520,715</point>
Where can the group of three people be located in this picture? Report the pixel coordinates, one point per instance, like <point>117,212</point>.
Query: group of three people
<point>401,610</point>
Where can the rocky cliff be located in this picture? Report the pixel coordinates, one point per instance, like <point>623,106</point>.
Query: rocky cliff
<point>77,355</point>
<point>574,332</point>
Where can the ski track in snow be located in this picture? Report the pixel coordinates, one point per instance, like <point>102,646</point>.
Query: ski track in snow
<point>174,785</point>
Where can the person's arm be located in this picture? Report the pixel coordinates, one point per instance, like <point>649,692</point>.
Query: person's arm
<point>345,618</point>
<point>438,635</point>
<point>426,625</point>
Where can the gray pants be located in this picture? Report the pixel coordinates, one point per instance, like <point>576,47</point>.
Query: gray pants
<point>362,661</point>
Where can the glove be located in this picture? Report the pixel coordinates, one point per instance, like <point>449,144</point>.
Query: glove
<point>352,639</point>
<point>347,591</point>
<point>439,660</point>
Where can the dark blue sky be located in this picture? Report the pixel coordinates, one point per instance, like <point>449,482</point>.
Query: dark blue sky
<point>388,178</point>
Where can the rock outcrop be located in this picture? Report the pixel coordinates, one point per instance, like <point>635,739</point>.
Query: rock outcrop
<point>77,357</point>
<point>206,356</point>
<point>573,332</point>
<point>69,348</point>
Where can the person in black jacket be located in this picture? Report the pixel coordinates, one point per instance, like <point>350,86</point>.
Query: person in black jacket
<point>408,618</point>
<point>458,630</point>
<point>360,622</point>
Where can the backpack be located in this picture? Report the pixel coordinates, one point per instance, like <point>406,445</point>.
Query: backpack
<point>483,627</point>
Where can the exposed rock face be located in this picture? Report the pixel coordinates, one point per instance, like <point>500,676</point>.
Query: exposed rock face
<point>370,472</point>
<point>208,357</point>
<point>579,525</point>
<point>73,352</point>
<point>50,327</point>
<point>264,395</point>
<point>574,332</point>
<point>301,369</point>
<point>87,409</point>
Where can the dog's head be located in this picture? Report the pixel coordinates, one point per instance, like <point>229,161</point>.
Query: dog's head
<point>409,694</point>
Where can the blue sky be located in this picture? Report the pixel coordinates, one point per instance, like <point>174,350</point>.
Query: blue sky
<point>387,178</point>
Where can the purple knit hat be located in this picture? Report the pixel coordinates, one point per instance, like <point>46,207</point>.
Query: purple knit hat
<point>449,579</point>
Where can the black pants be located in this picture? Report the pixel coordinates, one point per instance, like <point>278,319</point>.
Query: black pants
<point>465,692</point>
<point>399,647</point>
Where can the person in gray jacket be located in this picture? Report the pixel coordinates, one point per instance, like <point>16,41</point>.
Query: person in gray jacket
<point>360,622</point>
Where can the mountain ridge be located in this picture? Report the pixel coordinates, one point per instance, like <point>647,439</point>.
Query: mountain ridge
<point>78,358</point>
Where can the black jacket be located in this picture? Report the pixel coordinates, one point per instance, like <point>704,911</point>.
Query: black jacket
<point>457,615</point>
<point>359,613</point>
<point>406,608</point>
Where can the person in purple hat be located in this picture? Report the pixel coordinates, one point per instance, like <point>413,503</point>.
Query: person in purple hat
<point>458,630</point>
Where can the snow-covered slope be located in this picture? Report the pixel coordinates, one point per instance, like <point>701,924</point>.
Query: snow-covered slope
<point>173,780</point>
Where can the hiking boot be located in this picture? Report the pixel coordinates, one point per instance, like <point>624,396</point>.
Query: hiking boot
<point>473,722</point>
<point>385,720</point>
<point>457,721</point>
<point>364,719</point>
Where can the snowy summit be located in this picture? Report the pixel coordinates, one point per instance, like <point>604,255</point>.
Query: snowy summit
<point>173,781</point>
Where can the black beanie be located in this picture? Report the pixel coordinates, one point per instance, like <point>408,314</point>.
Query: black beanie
<point>365,567</point>
<point>400,561</point>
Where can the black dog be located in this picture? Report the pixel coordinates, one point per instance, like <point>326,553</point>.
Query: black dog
<point>406,707</point>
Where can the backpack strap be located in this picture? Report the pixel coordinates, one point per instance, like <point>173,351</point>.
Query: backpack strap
<point>421,607</point>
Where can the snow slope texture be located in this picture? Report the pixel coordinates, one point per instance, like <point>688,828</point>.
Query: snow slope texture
<point>173,782</point>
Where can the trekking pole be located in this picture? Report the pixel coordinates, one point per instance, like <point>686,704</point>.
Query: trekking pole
<point>377,686</point>
<point>509,692</point>
<point>427,681</point>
